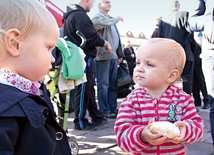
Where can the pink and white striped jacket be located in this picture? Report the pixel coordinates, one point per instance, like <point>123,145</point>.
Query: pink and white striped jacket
<point>139,107</point>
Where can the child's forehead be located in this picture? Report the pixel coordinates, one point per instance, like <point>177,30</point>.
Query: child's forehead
<point>154,52</point>
<point>148,48</point>
<point>148,54</point>
<point>159,47</point>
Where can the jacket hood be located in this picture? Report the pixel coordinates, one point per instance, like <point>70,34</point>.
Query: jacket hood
<point>72,8</point>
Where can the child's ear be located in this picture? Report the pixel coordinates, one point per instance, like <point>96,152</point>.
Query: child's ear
<point>11,42</point>
<point>173,76</point>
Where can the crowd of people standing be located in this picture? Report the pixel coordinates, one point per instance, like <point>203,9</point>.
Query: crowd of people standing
<point>156,97</point>
<point>103,51</point>
<point>102,61</point>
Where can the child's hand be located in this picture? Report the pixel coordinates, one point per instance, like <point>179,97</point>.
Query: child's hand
<point>182,126</point>
<point>148,137</point>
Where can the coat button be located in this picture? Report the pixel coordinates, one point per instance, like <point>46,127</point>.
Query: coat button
<point>59,135</point>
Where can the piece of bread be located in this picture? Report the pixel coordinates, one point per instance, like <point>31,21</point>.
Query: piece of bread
<point>165,128</point>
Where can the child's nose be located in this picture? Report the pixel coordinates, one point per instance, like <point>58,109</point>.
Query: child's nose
<point>140,68</point>
<point>52,58</point>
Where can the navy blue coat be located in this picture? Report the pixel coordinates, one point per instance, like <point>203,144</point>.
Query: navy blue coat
<point>28,125</point>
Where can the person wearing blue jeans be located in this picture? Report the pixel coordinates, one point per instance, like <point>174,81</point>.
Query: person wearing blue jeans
<point>106,84</point>
<point>76,19</point>
<point>106,63</point>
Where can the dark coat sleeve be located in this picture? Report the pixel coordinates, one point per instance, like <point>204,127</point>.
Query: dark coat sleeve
<point>9,131</point>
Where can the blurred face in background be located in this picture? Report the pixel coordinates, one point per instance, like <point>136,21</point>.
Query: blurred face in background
<point>105,6</point>
<point>128,44</point>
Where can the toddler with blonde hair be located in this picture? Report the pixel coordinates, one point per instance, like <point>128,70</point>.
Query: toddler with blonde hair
<point>28,33</point>
<point>159,64</point>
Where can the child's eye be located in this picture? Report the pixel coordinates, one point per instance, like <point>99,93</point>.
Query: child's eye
<point>50,48</point>
<point>137,63</point>
<point>150,65</point>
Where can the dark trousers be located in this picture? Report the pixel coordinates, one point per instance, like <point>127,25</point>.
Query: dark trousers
<point>187,76</point>
<point>199,84</point>
<point>131,66</point>
<point>84,98</point>
<point>211,101</point>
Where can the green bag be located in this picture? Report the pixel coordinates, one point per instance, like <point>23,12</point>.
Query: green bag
<point>72,66</point>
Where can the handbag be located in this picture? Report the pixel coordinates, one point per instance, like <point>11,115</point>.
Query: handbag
<point>124,79</point>
<point>71,60</point>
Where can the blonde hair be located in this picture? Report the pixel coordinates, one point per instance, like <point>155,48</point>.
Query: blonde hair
<point>24,15</point>
<point>174,53</point>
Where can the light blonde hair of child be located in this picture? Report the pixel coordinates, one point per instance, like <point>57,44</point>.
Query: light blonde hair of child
<point>24,15</point>
<point>174,53</point>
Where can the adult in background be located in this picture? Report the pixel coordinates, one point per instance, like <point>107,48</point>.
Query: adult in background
<point>205,22</point>
<point>130,57</point>
<point>155,32</point>
<point>176,27</point>
<point>199,84</point>
<point>76,18</point>
<point>106,63</point>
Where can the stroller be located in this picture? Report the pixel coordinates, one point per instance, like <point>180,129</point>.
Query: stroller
<point>51,80</point>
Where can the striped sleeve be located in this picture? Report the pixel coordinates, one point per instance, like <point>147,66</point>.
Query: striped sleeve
<point>194,123</point>
<point>128,128</point>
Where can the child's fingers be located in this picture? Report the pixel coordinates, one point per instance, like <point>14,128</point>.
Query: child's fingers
<point>151,120</point>
<point>182,126</point>
<point>157,139</point>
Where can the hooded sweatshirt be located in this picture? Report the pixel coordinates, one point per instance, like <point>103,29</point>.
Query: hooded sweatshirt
<point>76,19</point>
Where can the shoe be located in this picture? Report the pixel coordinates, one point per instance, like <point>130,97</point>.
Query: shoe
<point>206,106</point>
<point>101,122</point>
<point>110,115</point>
<point>115,111</point>
<point>197,109</point>
<point>88,127</point>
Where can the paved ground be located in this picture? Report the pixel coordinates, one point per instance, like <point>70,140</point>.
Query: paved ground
<point>103,140</point>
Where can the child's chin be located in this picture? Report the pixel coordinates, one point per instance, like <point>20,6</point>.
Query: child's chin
<point>140,83</point>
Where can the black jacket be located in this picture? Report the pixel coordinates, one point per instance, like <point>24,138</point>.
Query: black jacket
<point>28,125</point>
<point>176,27</point>
<point>127,56</point>
<point>76,19</point>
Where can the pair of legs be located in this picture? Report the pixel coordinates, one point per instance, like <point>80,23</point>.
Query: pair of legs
<point>84,99</point>
<point>207,67</point>
<point>106,71</point>
<point>131,66</point>
<point>199,85</point>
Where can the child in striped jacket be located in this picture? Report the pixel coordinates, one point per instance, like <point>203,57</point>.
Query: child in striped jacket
<point>159,64</point>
